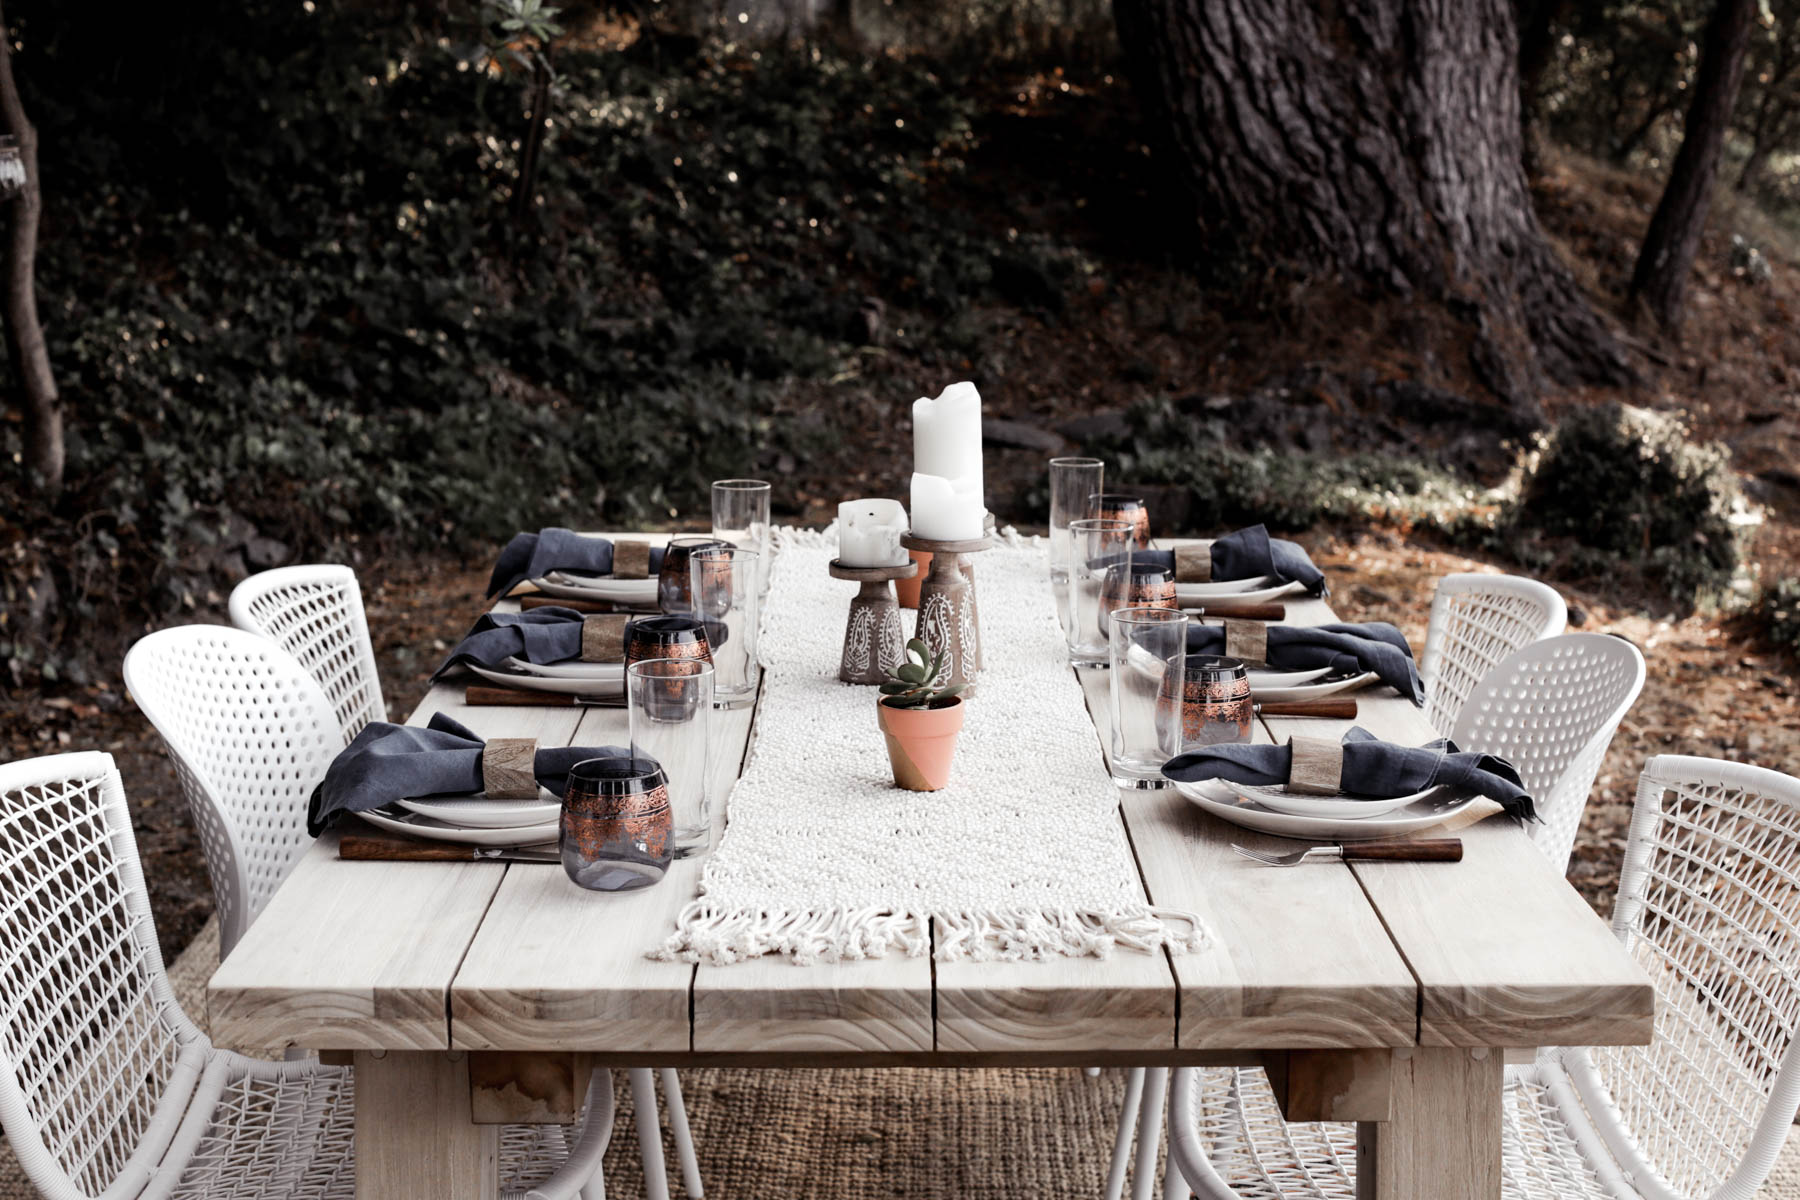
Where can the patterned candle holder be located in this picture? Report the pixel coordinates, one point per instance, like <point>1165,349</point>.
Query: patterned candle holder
<point>874,641</point>
<point>948,623</point>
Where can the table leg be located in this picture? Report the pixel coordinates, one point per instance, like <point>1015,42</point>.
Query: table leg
<point>414,1130</point>
<point>1443,1142</point>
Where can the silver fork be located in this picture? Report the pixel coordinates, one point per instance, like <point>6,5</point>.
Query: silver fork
<point>1419,850</point>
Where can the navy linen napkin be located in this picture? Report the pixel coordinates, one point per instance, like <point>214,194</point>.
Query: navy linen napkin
<point>1375,646</point>
<point>393,762</point>
<point>542,635</point>
<point>1251,553</point>
<point>1373,769</point>
<point>535,555</point>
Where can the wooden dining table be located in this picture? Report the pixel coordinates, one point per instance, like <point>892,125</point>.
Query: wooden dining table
<point>1386,993</point>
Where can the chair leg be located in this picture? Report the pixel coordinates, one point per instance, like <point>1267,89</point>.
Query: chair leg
<point>684,1140</point>
<point>1150,1128</point>
<point>1091,1072</point>
<point>1128,1113</point>
<point>643,1099</point>
<point>595,1188</point>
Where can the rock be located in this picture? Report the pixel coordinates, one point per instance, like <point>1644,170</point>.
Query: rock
<point>1004,432</point>
<point>264,552</point>
<point>1577,616</point>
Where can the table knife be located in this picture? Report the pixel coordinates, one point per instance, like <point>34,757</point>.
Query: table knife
<point>376,849</point>
<point>1247,612</point>
<point>520,698</point>
<point>1415,850</point>
<point>1344,708</point>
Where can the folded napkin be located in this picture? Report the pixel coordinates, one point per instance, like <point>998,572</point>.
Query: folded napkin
<point>535,555</point>
<point>1251,554</point>
<point>541,635</point>
<point>1376,646</point>
<point>392,762</point>
<point>1372,769</point>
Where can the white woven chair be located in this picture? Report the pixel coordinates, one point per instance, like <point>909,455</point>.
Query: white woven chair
<point>1477,620</point>
<point>107,1088</point>
<point>316,614</point>
<point>1709,905</point>
<point>1551,710</point>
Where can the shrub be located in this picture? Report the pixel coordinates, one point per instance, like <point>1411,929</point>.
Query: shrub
<point>1778,612</point>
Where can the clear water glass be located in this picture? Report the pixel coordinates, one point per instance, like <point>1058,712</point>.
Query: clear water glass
<point>725,592</point>
<point>1072,480</point>
<point>670,706</point>
<point>614,830</point>
<point>740,515</point>
<point>1095,545</point>
<point>1149,651</point>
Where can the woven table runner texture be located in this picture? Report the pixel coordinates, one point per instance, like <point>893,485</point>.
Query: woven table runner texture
<point>1023,856</point>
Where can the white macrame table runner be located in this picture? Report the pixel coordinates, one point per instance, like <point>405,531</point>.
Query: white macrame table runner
<point>1023,856</point>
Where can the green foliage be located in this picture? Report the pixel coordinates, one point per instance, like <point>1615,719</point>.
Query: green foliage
<point>1778,613</point>
<point>913,683</point>
<point>1627,484</point>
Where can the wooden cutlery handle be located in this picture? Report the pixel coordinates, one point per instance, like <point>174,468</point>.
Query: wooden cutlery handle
<point>1421,850</point>
<point>1336,707</point>
<point>514,698</point>
<point>528,603</point>
<point>1247,612</point>
<point>379,849</point>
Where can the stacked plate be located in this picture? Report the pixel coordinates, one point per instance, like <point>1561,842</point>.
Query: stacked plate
<point>583,679</point>
<point>1315,684</point>
<point>1264,589</point>
<point>472,820</point>
<point>1325,818</point>
<point>567,585</point>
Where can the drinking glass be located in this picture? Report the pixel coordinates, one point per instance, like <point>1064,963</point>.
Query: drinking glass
<point>1122,506</point>
<point>740,515</point>
<point>1149,647</point>
<point>670,704</point>
<point>726,598</point>
<point>1095,545</point>
<point>614,830</point>
<point>1213,698</point>
<point>674,583</point>
<point>1072,481</point>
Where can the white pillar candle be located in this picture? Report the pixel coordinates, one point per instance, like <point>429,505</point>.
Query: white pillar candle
<point>947,510</point>
<point>947,500</point>
<point>869,533</point>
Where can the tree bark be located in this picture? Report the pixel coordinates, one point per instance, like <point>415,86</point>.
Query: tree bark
<point>1536,25</point>
<point>42,406</point>
<point>1377,140</point>
<point>533,143</point>
<point>1661,278</point>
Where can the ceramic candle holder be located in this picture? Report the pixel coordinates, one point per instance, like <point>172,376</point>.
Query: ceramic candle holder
<point>1122,506</point>
<point>874,641</point>
<point>947,619</point>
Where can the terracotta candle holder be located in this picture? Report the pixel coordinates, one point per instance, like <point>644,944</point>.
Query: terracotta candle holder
<point>874,642</point>
<point>947,618</point>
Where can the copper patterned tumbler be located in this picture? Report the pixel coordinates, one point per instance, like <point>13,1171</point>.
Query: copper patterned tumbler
<point>1122,506</point>
<point>1135,585</point>
<point>1216,705</point>
<point>615,833</point>
<point>674,582</point>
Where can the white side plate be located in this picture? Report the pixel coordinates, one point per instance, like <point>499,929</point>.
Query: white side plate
<point>478,812</point>
<point>415,825</point>
<point>1262,680</point>
<point>562,687</point>
<point>1263,592</point>
<point>574,669</point>
<point>593,587</point>
<point>1301,804</point>
<point>1220,800</point>
<point>1312,691</point>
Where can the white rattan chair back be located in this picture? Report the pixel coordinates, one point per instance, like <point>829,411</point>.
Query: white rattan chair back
<point>251,734</point>
<point>97,1061</point>
<point>316,614</point>
<point>1477,620</point>
<point>1551,710</point>
<point>1709,904</point>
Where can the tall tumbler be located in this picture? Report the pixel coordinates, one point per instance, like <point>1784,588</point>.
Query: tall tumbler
<point>725,594</point>
<point>1095,546</point>
<point>670,704</point>
<point>740,515</point>
<point>1072,481</point>
<point>1149,648</point>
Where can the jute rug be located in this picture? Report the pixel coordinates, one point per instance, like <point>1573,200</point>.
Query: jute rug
<point>870,1135</point>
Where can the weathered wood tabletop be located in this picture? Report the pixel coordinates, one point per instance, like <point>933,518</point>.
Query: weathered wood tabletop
<point>1428,970</point>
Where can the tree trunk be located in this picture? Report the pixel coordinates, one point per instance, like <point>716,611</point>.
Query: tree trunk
<point>1377,140</point>
<point>18,303</point>
<point>533,144</point>
<point>1661,278</point>
<point>1536,25</point>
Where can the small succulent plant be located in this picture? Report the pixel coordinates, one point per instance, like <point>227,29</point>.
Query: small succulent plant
<point>913,684</point>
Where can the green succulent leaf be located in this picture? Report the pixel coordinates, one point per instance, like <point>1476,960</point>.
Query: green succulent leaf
<point>911,672</point>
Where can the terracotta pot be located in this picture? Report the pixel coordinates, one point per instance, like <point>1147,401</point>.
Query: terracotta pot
<point>907,590</point>
<point>921,743</point>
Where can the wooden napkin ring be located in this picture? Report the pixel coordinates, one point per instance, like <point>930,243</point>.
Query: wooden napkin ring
<point>509,769</point>
<point>631,560</point>
<point>603,637</point>
<point>1246,640</point>
<point>1318,766</point>
<point>1193,564</point>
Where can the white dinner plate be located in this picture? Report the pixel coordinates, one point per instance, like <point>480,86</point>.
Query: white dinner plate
<point>1303,804</point>
<point>415,825</point>
<point>1227,587</point>
<point>1329,686</point>
<point>573,669</point>
<point>1263,593</point>
<point>478,812</point>
<point>640,592</point>
<point>544,683</point>
<point>1262,678</point>
<point>1223,802</point>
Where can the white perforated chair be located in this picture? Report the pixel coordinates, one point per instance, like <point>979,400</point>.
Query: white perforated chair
<point>1477,620</point>
<point>251,734</point>
<point>1551,710</point>
<point>316,614</point>
<point>108,1089</point>
<point>1709,905</point>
